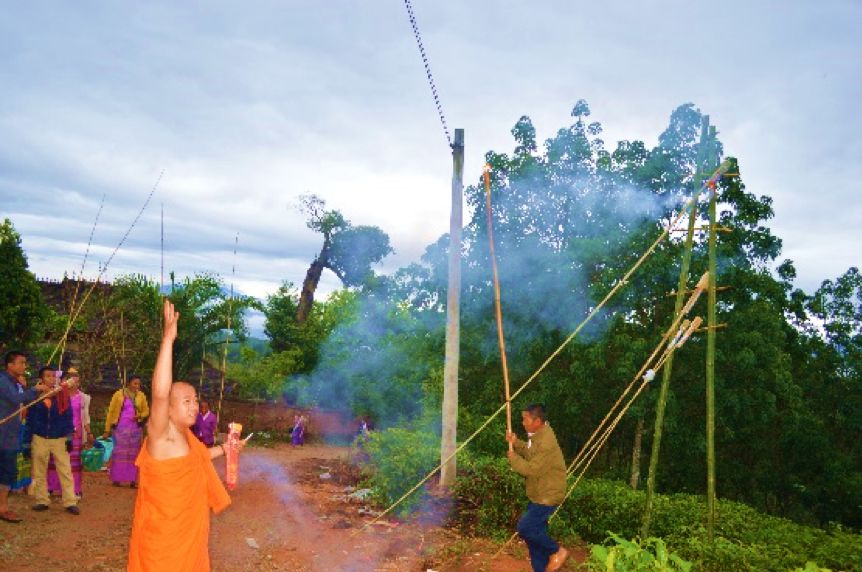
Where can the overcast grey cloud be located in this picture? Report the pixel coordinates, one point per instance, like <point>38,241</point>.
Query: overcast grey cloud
<point>247,106</point>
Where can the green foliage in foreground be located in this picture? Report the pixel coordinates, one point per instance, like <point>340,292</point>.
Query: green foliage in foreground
<point>625,555</point>
<point>490,497</point>
<point>397,459</point>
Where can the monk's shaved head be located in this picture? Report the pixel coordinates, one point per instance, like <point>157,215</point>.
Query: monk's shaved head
<point>181,388</point>
<point>183,404</point>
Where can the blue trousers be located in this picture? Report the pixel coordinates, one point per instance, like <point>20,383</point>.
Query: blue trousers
<point>533,528</point>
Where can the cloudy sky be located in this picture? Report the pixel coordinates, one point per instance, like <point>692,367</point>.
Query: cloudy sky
<point>247,105</point>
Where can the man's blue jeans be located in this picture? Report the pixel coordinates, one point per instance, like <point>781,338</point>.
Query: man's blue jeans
<point>533,528</point>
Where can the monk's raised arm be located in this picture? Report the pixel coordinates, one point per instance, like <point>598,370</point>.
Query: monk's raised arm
<point>157,426</point>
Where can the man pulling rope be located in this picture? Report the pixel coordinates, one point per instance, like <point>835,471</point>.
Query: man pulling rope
<point>541,461</point>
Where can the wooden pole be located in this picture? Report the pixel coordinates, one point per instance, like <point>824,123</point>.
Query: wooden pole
<point>661,404</point>
<point>453,321</point>
<point>501,340</point>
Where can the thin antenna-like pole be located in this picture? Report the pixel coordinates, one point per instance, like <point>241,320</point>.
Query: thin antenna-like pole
<point>81,277</point>
<point>499,312</point>
<point>123,346</point>
<point>203,359</point>
<point>227,336</point>
<point>162,282</point>
<point>104,268</point>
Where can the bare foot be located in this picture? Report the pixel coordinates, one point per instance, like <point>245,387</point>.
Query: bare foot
<point>557,559</point>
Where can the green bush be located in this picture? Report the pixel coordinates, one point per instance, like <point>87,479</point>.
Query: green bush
<point>629,555</point>
<point>395,460</point>
<point>490,497</point>
<point>744,538</point>
<point>811,567</point>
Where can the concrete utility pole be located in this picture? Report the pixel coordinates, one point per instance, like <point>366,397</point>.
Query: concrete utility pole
<point>453,320</point>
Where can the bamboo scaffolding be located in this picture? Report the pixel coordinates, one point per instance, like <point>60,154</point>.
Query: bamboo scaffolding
<point>690,204</point>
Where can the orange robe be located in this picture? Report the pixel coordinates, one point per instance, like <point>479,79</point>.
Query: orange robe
<point>172,521</point>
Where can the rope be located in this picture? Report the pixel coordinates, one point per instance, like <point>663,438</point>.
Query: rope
<point>425,62</point>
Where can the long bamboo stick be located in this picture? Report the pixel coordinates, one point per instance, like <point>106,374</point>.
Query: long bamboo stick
<point>81,276</point>
<point>104,269</point>
<point>55,391</point>
<point>227,336</point>
<point>501,340</point>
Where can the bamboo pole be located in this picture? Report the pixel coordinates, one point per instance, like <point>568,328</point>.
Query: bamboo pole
<point>501,340</point>
<point>81,277</point>
<point>227,337</point>
<point>710,364</point>
<point>55,391</point>
<point>661,404</point>
<point>103,270</point>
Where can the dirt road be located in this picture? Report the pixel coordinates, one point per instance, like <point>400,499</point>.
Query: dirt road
<point>284,516</point>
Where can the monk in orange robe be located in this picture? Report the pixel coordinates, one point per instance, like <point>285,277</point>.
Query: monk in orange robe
<point>178,484</point>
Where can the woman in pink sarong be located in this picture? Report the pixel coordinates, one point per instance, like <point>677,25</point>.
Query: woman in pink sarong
<point>127,413</point>
<point>80,403</point>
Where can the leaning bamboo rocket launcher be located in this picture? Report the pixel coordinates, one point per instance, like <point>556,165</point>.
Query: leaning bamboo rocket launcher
<point>620,283</point>
<point>486,173</point>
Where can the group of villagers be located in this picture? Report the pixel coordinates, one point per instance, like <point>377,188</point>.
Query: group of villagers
<point>53,433</point>
<point>179,486</point>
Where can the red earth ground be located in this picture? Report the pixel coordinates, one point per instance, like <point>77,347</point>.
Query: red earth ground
<point>284,516</point>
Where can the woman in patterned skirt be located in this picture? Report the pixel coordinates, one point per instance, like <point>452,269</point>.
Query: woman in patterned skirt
<point>126,416</point>
<point>80,403</point>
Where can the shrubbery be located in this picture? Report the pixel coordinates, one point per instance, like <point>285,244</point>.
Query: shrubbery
<point>490,497</point>
<point>630,555</point>
<point>395,460</point>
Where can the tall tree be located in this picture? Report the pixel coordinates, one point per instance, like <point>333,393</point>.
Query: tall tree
<point>348,251</point>
<point>22,309</point>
